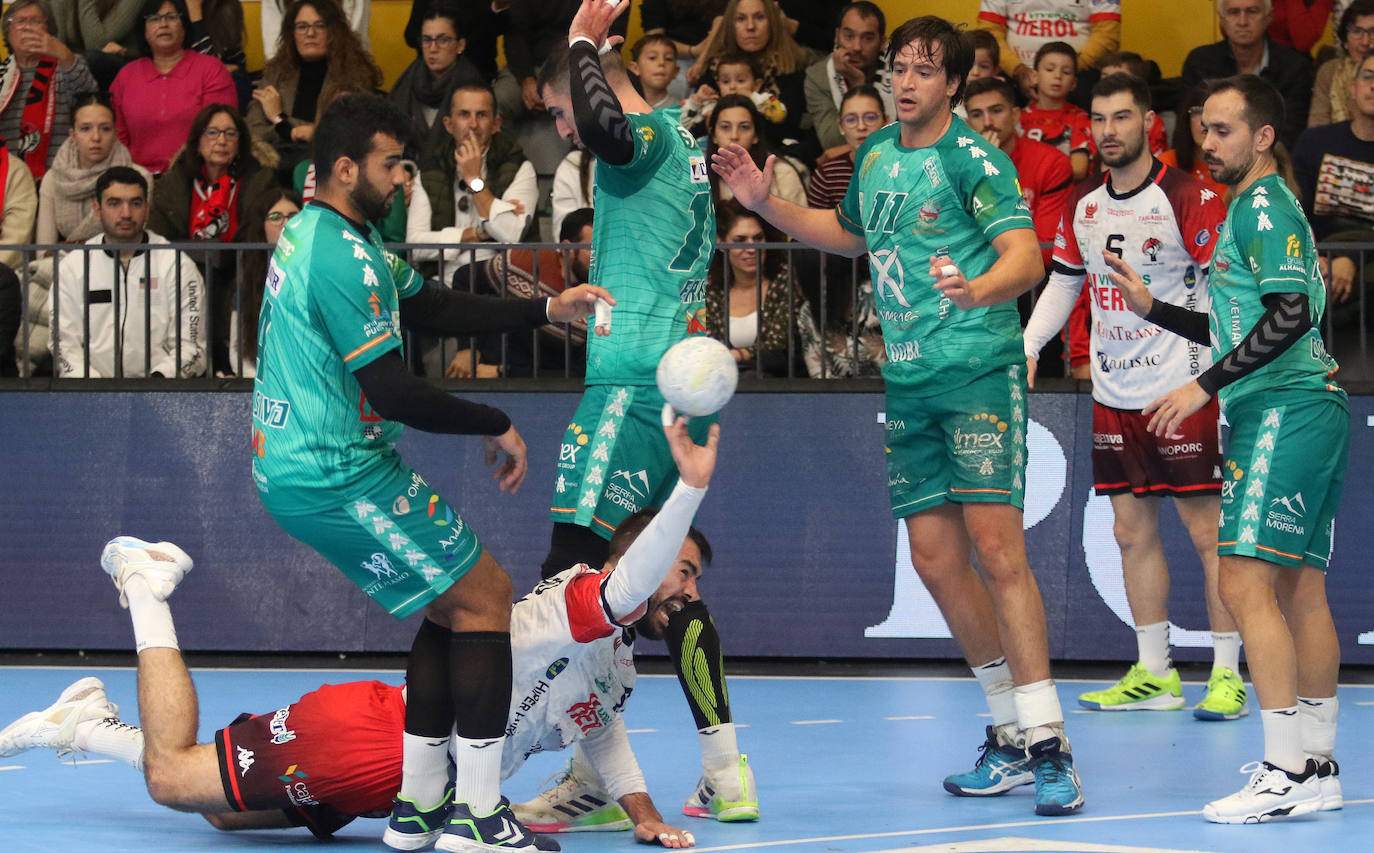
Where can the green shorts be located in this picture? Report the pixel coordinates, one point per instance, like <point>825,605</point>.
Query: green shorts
<point>614,460</point>
<point>400,543</point>
<point>1282,479</point>
<point>964,444</point>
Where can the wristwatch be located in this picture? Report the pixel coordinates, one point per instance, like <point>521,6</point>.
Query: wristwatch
<point>476,185</point>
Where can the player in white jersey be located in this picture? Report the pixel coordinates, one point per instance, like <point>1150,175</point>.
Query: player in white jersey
<point>1165,223</point>
<point>572,644</point>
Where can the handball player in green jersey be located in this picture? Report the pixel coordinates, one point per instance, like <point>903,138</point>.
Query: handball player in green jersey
<point>1286,456</point>
<point>951,245</point>
<point>652,243</point>
<point>329,401</point>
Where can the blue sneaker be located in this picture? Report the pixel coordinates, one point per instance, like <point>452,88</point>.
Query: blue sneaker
<point>1057,789</point>
<point>498,832</point>
<point>999,769</point>
<point>413,828</point>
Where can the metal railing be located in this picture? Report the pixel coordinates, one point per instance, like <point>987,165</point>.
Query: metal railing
<point>832,327</point>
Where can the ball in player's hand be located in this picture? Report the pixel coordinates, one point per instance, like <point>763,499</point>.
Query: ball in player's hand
<point>697,376</point>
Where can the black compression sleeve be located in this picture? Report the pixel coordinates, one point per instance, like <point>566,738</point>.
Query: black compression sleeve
<point>600,122</point>
<point>1283,325</point>
<point>444,311</point>
<point>397,395</point>
<point>1181,321</point>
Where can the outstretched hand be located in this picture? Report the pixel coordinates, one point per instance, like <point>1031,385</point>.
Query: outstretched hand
<point>658,832</point>
<point>577,302</point>
<point>594,19</point>
<point>750,185</point>
<point>695,462</point>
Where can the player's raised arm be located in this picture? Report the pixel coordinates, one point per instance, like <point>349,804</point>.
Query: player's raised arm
<point>601,122</point>
<point>751,186</point>
<point>653,553</point>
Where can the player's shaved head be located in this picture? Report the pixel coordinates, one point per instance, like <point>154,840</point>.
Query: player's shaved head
<point>629,529</point>
<point>555,75</point>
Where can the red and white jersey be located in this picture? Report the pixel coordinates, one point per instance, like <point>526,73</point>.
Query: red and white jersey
<point>1031,23</point>
<point>574,666</point>
<point>1166,231</point>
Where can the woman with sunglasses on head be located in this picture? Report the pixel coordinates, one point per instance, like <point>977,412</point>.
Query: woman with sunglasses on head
<point>157,96</point>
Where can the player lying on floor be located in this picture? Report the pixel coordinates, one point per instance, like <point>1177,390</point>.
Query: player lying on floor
<point>335,753</point>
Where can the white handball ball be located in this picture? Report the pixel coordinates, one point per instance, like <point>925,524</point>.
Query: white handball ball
<point>697,376</point>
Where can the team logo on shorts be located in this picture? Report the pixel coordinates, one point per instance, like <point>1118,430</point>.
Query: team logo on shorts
<point>380,567</point>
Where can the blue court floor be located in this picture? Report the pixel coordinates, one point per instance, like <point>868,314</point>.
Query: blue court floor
<point>843,764</point>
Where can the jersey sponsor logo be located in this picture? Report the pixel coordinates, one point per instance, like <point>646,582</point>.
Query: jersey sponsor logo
<point>932,171</point>
<point>985,435</point>
<point>365,413</point>
<point>440,513</point>
<point>293,772</point>
<point>696,322</point>
<point>259,443</point>
<point>589,715</point>
<point>400,506</point>
<point>698,170</point>
<point>531,699</point>
<point>1047,28</point>
<point>884,263</point>
<point>1183,450</point>
<point>646,133</point>
<point>375,303</point>
<point>555,668</point>
<point>1286,514</point>
<point>929,212</point>
<point>1107,364</point>
<point>1220,264</point>
<point>693,291</point>
<point>1108,441</point>
<point>280,733</point>
<point>1293,246</point>
<point>416,483</point>
<point>1090,210</point>
<point>245,761</point>
<point>567,453</point>
<point>903,351</point>
<point>451,541</point>
<point>1203,236</point>
<point>269,412</point>
<point>1190,277</point>
<point>380,567</point>
<point>274,273</point>
<point>634,481</point>
<point>1151,249</point>
<point>300,795</point>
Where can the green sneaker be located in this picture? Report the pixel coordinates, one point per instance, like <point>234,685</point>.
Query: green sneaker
<point>1138,690</point>
<point>1225,699</point>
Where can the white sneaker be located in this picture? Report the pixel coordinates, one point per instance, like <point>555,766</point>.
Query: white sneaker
<point>55,726</point>
<point>1272,792</point>
<point>161,564</point>
<point>1329,781</point>
<point>573,804</point>
<point>726,796</point>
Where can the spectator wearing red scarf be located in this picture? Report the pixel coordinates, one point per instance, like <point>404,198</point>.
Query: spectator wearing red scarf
<point>202,196</point>
<point>38,83</point>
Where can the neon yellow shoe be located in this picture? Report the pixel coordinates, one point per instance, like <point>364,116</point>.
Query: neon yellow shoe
<point>728,797</point>
<point>1138,690</point>
<point>1225,699</point>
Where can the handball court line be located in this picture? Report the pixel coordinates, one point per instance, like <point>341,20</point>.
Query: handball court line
<point>1052,821</point>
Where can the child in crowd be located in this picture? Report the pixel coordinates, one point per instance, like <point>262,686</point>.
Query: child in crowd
<point>736,74</point>
<point>1132,63</point>
<point>653,59</point>
<point>987,56</point>
<point>1050,118</point>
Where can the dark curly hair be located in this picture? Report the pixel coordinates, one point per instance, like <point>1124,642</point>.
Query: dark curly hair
<point>349,67</point>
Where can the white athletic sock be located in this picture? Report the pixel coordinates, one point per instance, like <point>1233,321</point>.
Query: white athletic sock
<point>995,679</point>
<point>424,769</point>
<point>1037,704</point>
<point>719,749</point>
<point>478,781</point>
<point>1283,738</point>
<point>1226,650</point>
<point>1318,726</point>
<point>111,737</point>
<point>152,618</point>
<point>1152,645</point>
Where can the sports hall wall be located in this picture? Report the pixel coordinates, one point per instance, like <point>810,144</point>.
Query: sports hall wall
<point>809,562</point>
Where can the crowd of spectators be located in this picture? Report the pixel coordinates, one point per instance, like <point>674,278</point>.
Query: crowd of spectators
<point>161,90</point>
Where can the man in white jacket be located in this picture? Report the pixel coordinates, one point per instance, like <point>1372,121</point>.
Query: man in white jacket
<point>126,313</point>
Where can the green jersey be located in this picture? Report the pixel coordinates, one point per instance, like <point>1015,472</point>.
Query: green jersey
<point>652,242</point>
<point>910,204</point>
<point>1266,247</point>
<point>331,306</point>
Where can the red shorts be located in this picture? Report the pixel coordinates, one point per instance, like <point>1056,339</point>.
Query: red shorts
<point>339,745</point>
<point>1129,458</point>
